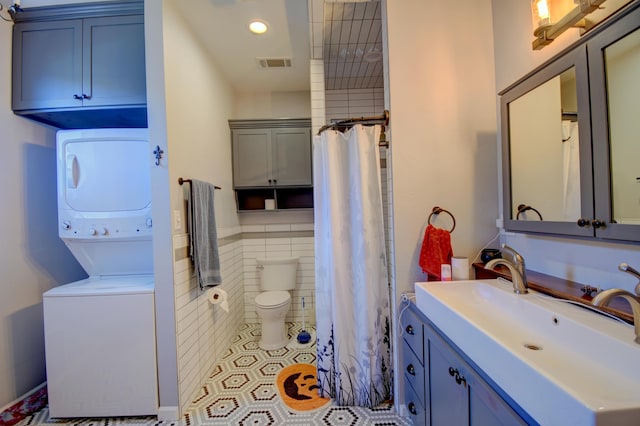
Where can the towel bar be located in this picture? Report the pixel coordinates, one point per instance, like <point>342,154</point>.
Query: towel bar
<point>436,211</point>
<point>181,181</point>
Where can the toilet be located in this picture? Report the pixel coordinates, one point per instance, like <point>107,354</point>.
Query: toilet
<point>277,277</point>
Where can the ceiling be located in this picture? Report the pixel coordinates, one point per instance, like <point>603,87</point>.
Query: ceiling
<point>345,34</point>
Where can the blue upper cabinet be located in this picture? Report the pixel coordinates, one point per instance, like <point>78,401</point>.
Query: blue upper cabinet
<point>83,72</point>
<point>113,71</point>
<point>47,65</point>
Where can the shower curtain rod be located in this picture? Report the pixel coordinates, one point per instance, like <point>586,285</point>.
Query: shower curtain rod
<point>349,122</point>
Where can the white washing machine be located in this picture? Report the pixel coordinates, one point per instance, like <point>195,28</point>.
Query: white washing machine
<point>101,347</point>
<point>100,332</point>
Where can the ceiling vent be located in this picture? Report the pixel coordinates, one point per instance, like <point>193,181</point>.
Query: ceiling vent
<point>274,62</point>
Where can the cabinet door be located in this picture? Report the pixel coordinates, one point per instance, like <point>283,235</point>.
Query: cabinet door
<point>114,61</point>
<point>459,396</point>
<point>486,407</point>
<point>449,399</point>
<point>251,157</point>
<point>614,61</point>
<point>291,156</point>
<point>47,65</point>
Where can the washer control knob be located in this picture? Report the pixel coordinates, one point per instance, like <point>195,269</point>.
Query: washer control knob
<point>66,224</point>
<point>92,231</point>
<point>149,222</point>
<point>103,231</point>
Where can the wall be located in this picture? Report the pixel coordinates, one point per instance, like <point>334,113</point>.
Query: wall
<point>273,105</point>
<point>33,258</point>
<point>443,126</point>
<point>589,262</point>
<point>441,96</point>
<point>281,233</point>
<point>189,104</point>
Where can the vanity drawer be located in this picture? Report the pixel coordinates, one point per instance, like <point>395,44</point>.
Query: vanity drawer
<point>413,371</point>
<point>415,406</point>
<point>412,332</point>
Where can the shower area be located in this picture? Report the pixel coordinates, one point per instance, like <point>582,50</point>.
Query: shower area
<point>347,84</point>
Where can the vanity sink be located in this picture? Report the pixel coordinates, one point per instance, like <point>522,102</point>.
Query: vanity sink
<point>561,363</point>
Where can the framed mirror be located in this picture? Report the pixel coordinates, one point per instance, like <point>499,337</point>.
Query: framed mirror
<point>546,149</point>
<point>614,66</point>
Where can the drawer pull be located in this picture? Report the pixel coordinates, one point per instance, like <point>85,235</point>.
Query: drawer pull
<point>410,330</point>
<point>411,370</point>
<point>412,408</point>
<point>453,372</point>
<point>460,379</point>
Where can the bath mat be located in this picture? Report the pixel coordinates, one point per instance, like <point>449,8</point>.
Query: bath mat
<point>298,388</point>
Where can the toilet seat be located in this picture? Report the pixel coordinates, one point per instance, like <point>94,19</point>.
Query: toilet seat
<point>272,299</point>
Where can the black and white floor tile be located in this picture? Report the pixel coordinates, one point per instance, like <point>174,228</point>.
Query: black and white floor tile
<point>242,391</point>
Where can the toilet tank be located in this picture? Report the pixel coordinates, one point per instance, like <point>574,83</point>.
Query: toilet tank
<point>278,273</point>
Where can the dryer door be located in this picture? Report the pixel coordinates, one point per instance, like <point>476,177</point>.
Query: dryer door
<point>104,172</point>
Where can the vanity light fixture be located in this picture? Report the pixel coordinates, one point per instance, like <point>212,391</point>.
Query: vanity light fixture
<point>553,17</point>
<point>258,27</point>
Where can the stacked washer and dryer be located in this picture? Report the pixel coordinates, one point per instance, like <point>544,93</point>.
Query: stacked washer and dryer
<point>100,331</point>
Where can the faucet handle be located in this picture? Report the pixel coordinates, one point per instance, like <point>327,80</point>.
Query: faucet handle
<point>624,267</point>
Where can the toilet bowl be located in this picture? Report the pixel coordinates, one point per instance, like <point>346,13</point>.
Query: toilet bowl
<point>277,278</point>
<point>272,308</point>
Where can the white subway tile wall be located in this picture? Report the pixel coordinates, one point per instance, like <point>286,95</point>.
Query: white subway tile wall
<point>353,103</point>
<point>316,76</point>
<point>274,245</point>
<point>204,331</point>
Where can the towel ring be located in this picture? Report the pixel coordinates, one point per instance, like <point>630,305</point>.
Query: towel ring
<point>523,208</point>
<point>436,211</point>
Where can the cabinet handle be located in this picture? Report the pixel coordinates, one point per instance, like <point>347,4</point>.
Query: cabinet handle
<point>452,371</point>
<point>412,408</point>
<point>460,379</point>
<point>77,97</point>
<point>275,181</point>
<point>269,181</point>
<point>410,330</point>
<point>411,370</point>
<point>84,96</point>
<point>597,223</point>
<point>583,222</point>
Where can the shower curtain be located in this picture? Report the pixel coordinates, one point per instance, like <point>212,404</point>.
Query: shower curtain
<point>352,293</point>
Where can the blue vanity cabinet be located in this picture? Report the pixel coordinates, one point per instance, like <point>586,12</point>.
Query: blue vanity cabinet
<point>459,396</point>
<point>81,66</point>
<point>413,367</point>
<point>453,392</point>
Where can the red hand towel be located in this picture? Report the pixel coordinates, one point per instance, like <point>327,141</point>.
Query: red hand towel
<point>436,250</point>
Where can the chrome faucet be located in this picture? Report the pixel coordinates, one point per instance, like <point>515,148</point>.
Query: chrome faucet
<point>603,299</point>
<point>624,267</point>
<point>516,268</point>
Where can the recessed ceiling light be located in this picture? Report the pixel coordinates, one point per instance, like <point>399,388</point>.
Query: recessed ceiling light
<point>258,27</point>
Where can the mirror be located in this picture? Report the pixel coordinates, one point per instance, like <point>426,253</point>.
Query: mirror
<point>545,153</point>
<point>570,138</point>
<point>546,148</point>
<point>622,67</point>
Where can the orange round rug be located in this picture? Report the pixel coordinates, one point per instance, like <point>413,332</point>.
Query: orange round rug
<point>298,388</point>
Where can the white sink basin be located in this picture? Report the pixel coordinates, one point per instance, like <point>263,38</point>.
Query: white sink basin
<point>584,368</point>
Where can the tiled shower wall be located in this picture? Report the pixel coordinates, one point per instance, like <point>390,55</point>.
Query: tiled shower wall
<point>204,331</point>
<point>353,103</point>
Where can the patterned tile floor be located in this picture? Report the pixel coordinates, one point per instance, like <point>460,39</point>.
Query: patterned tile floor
<point>242,391</point>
